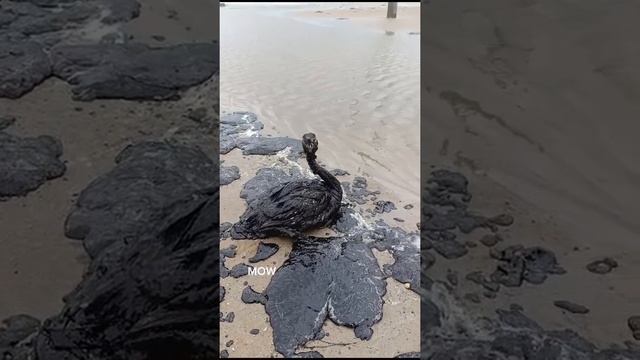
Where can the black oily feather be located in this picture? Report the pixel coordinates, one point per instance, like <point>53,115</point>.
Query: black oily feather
<point>295,206</point>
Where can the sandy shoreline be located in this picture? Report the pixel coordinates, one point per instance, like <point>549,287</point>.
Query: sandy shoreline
<point>537,112</point>
<point>351,106</point>
<point>362,108</point>
<point>38,264</point>
<point>520,104</point>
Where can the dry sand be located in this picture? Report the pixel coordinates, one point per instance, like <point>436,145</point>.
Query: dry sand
<point>38,264</point>
<point>289,66</point>
<point>536,101</point>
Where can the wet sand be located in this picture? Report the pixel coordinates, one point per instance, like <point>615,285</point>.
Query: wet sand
<point>38,264</point>
<point>373,15</point>
<point>363,107</point>
<point>537,108</point>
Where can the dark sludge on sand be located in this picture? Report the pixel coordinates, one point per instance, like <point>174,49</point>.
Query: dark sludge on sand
<point>298,299</point>
<point>451,328</point>
<point>323,277</point>
<point>152,294</point>
<point>148,289</point>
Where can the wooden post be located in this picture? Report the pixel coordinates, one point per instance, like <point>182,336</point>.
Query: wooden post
<point>392,9</point>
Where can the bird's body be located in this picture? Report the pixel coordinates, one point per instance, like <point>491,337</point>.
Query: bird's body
<point>296,206</point>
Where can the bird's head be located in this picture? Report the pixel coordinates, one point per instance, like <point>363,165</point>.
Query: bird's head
<point>309,143</point>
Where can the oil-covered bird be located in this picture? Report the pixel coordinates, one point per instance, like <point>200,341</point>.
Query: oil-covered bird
<point>295,206</point>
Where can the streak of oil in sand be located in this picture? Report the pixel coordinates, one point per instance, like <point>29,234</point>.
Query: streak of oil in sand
<point>38,264</point>
<point>397,332</point>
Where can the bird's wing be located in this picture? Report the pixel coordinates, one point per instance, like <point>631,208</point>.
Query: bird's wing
<point>294,201</point>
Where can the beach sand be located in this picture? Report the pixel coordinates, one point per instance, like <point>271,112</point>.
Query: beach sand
<point>398,331</point>
<point>536,101</point>
<point>373,15</point>
<point>38,264</point>
<point>359,95</point>
<point>362,104</point>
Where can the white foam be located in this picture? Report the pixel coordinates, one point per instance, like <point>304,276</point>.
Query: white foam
<point>283,157</point>
<point>415,241</point>
<point>284,152</point>
<point>249,133</point>
<point>361,221</point>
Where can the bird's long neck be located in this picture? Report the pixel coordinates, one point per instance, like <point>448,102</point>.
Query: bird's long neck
<point>325,175</point>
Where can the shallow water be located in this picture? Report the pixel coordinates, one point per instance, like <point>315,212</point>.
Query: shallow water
<point>355,87</point>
